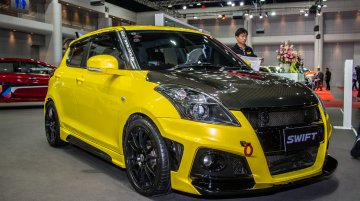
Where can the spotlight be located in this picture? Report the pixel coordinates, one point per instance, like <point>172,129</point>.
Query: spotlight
<point>242,3</point>
<point>273,13</point>
<point>306,14</point>
<point>260,16</point>
<point>229,3</point>
<point>184,7</point>
<point>251,16</point>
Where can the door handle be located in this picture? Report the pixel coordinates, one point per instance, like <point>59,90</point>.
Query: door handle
<point>80,79</point>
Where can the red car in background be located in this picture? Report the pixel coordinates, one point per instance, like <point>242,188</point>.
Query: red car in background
<point>24,80</point>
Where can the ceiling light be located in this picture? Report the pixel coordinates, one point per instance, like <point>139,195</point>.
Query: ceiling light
<point>251,16</point>
<point>324,0</point>
<point>273,13</point>
<point>219,16</point>
<point>262,0</point>
<point>233,4</point>
<point>302,10</point>
<point>306,14</point>
<point>184,7</point>
<point>319,6</point>
<point>195,17</point>
<point>260,16</point>
<point>242,3</point>
<point>169,5</point>
<point>324,5</point>
<point>229,3</point>
<point>191,5</point>
<point>246,14</point>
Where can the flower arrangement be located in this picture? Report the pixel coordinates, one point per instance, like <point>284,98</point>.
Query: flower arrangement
<point>287,53</point>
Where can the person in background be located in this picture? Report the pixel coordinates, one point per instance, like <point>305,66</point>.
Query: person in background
<point>240,47</point>
<point>327,78</point>
<point>357,69</point>
<point>354,79</point>
<point>318,80</point>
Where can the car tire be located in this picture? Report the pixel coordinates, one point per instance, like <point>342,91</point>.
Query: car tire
<point>52,125</point>
<point>146,157</point>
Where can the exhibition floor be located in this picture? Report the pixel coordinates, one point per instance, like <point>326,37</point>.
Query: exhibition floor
<point>32,170</point>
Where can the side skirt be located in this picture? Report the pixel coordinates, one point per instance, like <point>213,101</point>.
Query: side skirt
<point>77,142</point>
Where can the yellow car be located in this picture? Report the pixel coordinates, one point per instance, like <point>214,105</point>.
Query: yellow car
<point>179,110</point>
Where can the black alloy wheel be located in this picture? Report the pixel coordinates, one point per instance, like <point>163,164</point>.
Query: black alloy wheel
<point>146,158</point>
<point>52,125</point>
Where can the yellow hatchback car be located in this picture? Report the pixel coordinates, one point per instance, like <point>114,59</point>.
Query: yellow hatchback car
<point>179,110</point>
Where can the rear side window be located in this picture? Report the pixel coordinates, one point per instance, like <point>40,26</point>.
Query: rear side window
<point>76,55</point>
<point>8,66</point>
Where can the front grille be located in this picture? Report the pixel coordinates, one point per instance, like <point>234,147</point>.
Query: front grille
<point>283,162</point>
<point>269,125</point>
<point>282,117</point>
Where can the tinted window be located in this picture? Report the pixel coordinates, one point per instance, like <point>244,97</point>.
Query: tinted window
<point>35,68</point>
<point>76,54</point>
<point>8,66</point>
<point>105,44</point>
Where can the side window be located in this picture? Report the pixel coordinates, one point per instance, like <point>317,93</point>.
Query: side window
<point>105,44</point>
<point>8,66</point>
<point>76,54</point>
<point>35,68</point>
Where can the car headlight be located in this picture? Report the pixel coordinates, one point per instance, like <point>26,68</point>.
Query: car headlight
<point>197,106</point>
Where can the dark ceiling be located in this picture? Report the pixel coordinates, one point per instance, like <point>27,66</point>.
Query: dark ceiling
<point>138,7</point>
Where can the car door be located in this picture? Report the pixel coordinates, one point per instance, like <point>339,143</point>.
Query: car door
<point>35,81</point>
<point>67,78</point>
<point>98,96</point>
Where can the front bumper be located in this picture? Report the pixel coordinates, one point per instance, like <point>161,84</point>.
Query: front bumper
<point>246,186</point>
<point>194,136</point>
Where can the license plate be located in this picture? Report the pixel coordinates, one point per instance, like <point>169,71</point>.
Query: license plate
<point>301,137</point>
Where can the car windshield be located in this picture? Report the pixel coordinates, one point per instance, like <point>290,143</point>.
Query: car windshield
<point>166,50</point>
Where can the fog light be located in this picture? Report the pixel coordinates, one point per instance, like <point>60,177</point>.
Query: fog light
<point>208,160</point>
<point>212,162</point>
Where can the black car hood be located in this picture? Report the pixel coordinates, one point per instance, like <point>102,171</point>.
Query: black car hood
<point>240,89</point>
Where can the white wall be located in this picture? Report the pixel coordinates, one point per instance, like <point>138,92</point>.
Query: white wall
<point>336,54</point>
